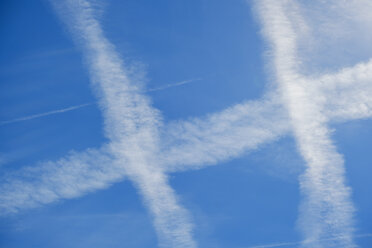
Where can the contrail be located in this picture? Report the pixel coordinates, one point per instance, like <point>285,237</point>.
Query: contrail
<point>173,85</point>
<point>220,136</point>
<point>131,124</point>
<point>75,107</point>
<point>191,144</point>
<point>72,176</point>
<point>327,209</point>
<point>53,112</point>
<point>187,145</point>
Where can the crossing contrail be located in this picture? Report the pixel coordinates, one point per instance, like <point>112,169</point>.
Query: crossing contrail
<point>131,124</point>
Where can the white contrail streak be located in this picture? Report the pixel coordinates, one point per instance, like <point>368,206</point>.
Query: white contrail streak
<point>348,92</point>
<point>131,125</point>
<point>53,112</point>
<point>220,136</point>
<point>186,145</point>
<point>69,177</point>
<point>163,87</point>
<point>327,209</point>
<point>200,142</point>
<point>64,110</point>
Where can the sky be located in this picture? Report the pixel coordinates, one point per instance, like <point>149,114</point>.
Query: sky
<point>239,124</point>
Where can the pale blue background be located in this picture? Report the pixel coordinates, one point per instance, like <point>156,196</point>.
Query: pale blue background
<point>248,201</point>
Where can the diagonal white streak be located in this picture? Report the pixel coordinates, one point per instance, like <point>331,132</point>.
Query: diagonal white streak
<point>131,125</point>
<point>221,136</point>
<point>167,86</point>
<point>69,177</point>
<point>327,208</point>
<point>75,107</point>
<point>35,116</point>
<point>186,145</point>
<point>348,92</point>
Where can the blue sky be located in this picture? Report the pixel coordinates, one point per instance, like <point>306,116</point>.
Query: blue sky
<point>199,129</point>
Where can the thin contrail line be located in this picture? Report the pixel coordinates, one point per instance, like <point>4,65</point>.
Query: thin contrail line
<point>173,85</point>
<point>307,241</point>
<point>53,112</point>
<point>59,111</point>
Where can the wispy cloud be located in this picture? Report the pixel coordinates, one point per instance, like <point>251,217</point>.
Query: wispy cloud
<point>327,209</point>
<point>69,177</point>
<point>220,136</point>
<point>348,92</point>
<point>131,124</point>
<point>186,145</point>
<point>191,144</point>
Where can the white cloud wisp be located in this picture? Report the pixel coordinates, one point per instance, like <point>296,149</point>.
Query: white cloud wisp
<point>186,145</point>
<point>327,209</point>
<point>131,125</point>
<point>225,135</point>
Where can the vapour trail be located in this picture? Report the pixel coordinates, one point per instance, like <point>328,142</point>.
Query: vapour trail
<point>327,209</point>
<point>75,107</point>
<point>59,111</point>
<point>163,87</point>
<point>220,136</point>
<point>131,124</point>
<point>69,177</point>
<point>191,144</point>
<point>348,92</point>
<point>200,142</point>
